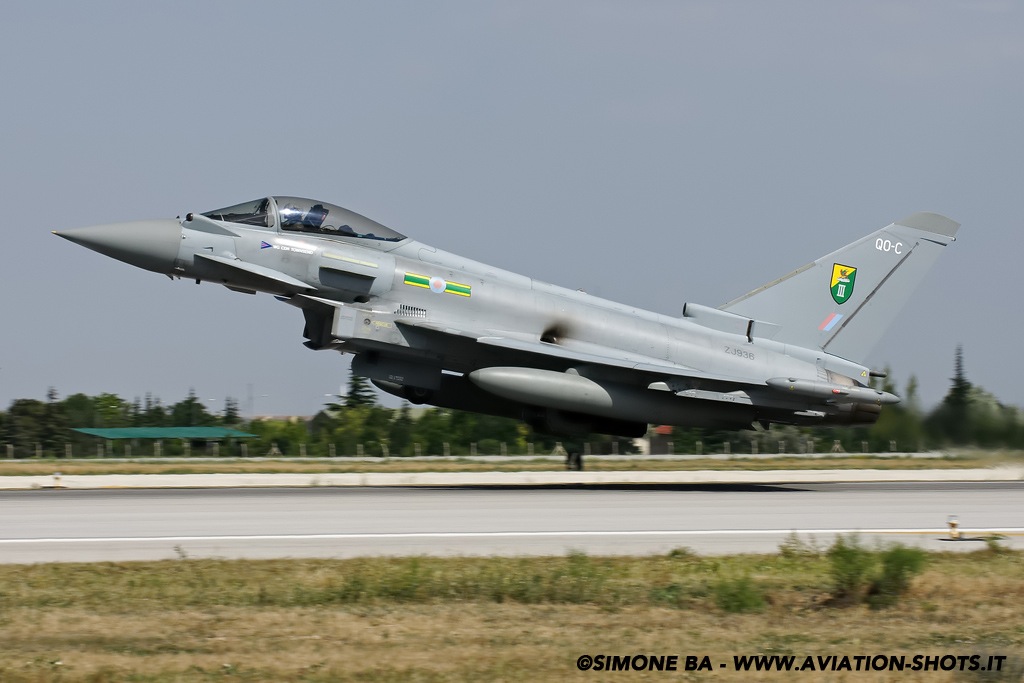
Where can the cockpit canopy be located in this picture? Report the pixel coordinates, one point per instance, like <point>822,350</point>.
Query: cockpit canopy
<point>296,214</point>
<point>250,213</point>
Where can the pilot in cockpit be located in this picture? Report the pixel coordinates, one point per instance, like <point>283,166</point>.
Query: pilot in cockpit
<point>314,218</point>
<point>310,221</point>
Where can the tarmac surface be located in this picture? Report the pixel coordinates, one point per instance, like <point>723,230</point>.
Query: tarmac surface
<point>46,525</point>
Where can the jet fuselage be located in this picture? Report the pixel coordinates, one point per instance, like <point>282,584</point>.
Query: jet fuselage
<point>438,328</point>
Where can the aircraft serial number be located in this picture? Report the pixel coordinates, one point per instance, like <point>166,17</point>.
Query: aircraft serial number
<point>739,353</point>
<point>889,245</point>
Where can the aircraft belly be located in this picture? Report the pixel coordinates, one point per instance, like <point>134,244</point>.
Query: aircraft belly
<point>573,393</point>
<point>408,372</point>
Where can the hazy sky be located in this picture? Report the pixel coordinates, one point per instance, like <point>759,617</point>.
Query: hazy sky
<point>649,152</point>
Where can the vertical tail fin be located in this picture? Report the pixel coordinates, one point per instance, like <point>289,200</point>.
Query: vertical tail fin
<point>843,302</point>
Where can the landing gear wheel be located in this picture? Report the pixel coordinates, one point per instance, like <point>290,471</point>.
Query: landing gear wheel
<point>574,461</point>
<point>417,396</point>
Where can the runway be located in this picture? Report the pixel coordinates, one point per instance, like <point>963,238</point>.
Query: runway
<point>118,525</point>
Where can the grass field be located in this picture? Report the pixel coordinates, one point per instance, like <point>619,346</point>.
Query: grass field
<point>963,460</point>
<point>485,619</point>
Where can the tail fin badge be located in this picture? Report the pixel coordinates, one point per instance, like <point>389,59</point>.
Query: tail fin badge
<point>843,278</point>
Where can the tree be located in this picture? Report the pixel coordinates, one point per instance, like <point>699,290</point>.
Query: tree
<point>359,392</point>
<point>432,431</point>
<point>376,429</point>
<point>285,435</point>
<point>898,423</point>
<point>231,415</point>
<point>960,392</point>
<point>348,430</point>
<point>111,411</point>
<point>951,420</point>
<point>153,413</point>
<point>912,401</point>
<point>79,410</point>
<point>400,434</point>
<point>25,420</point>
<point>55,426</point>
<point>190,412</point>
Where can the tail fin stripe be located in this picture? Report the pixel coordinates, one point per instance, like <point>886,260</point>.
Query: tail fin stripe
<point>830,322</point>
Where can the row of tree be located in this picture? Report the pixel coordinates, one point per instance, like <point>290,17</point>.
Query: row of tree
<point>357,424</point>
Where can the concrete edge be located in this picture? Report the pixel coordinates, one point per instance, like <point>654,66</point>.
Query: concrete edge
<point>153,481</point>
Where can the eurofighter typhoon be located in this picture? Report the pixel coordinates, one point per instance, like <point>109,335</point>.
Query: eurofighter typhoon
<point>433,327</point>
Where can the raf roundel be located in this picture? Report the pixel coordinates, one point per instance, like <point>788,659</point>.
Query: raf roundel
<point>438,285</point>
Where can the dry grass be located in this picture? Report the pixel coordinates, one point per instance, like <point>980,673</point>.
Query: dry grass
<point>427,619</point>
<point>626,463</point>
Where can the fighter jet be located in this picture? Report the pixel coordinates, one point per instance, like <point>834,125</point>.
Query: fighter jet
<point>436,328</point>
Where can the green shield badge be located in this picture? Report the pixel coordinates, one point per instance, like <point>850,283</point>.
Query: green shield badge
<point>843,278</point>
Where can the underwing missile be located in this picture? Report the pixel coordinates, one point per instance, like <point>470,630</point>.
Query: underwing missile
<point>837,393</point>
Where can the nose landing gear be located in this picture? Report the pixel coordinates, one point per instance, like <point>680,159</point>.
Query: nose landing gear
<point>574,461</point>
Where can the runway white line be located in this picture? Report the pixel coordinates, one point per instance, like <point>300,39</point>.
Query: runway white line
<point>1015,531</point>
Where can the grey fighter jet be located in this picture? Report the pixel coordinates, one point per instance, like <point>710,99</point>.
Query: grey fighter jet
<point>433,327</point>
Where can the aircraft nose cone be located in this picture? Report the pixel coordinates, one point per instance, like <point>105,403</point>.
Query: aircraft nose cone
<point>152,245</point>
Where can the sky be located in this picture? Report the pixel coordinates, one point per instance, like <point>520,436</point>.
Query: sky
<point>652,153</point>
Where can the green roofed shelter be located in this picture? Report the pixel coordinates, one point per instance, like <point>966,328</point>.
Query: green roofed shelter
<point>193,433</point>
